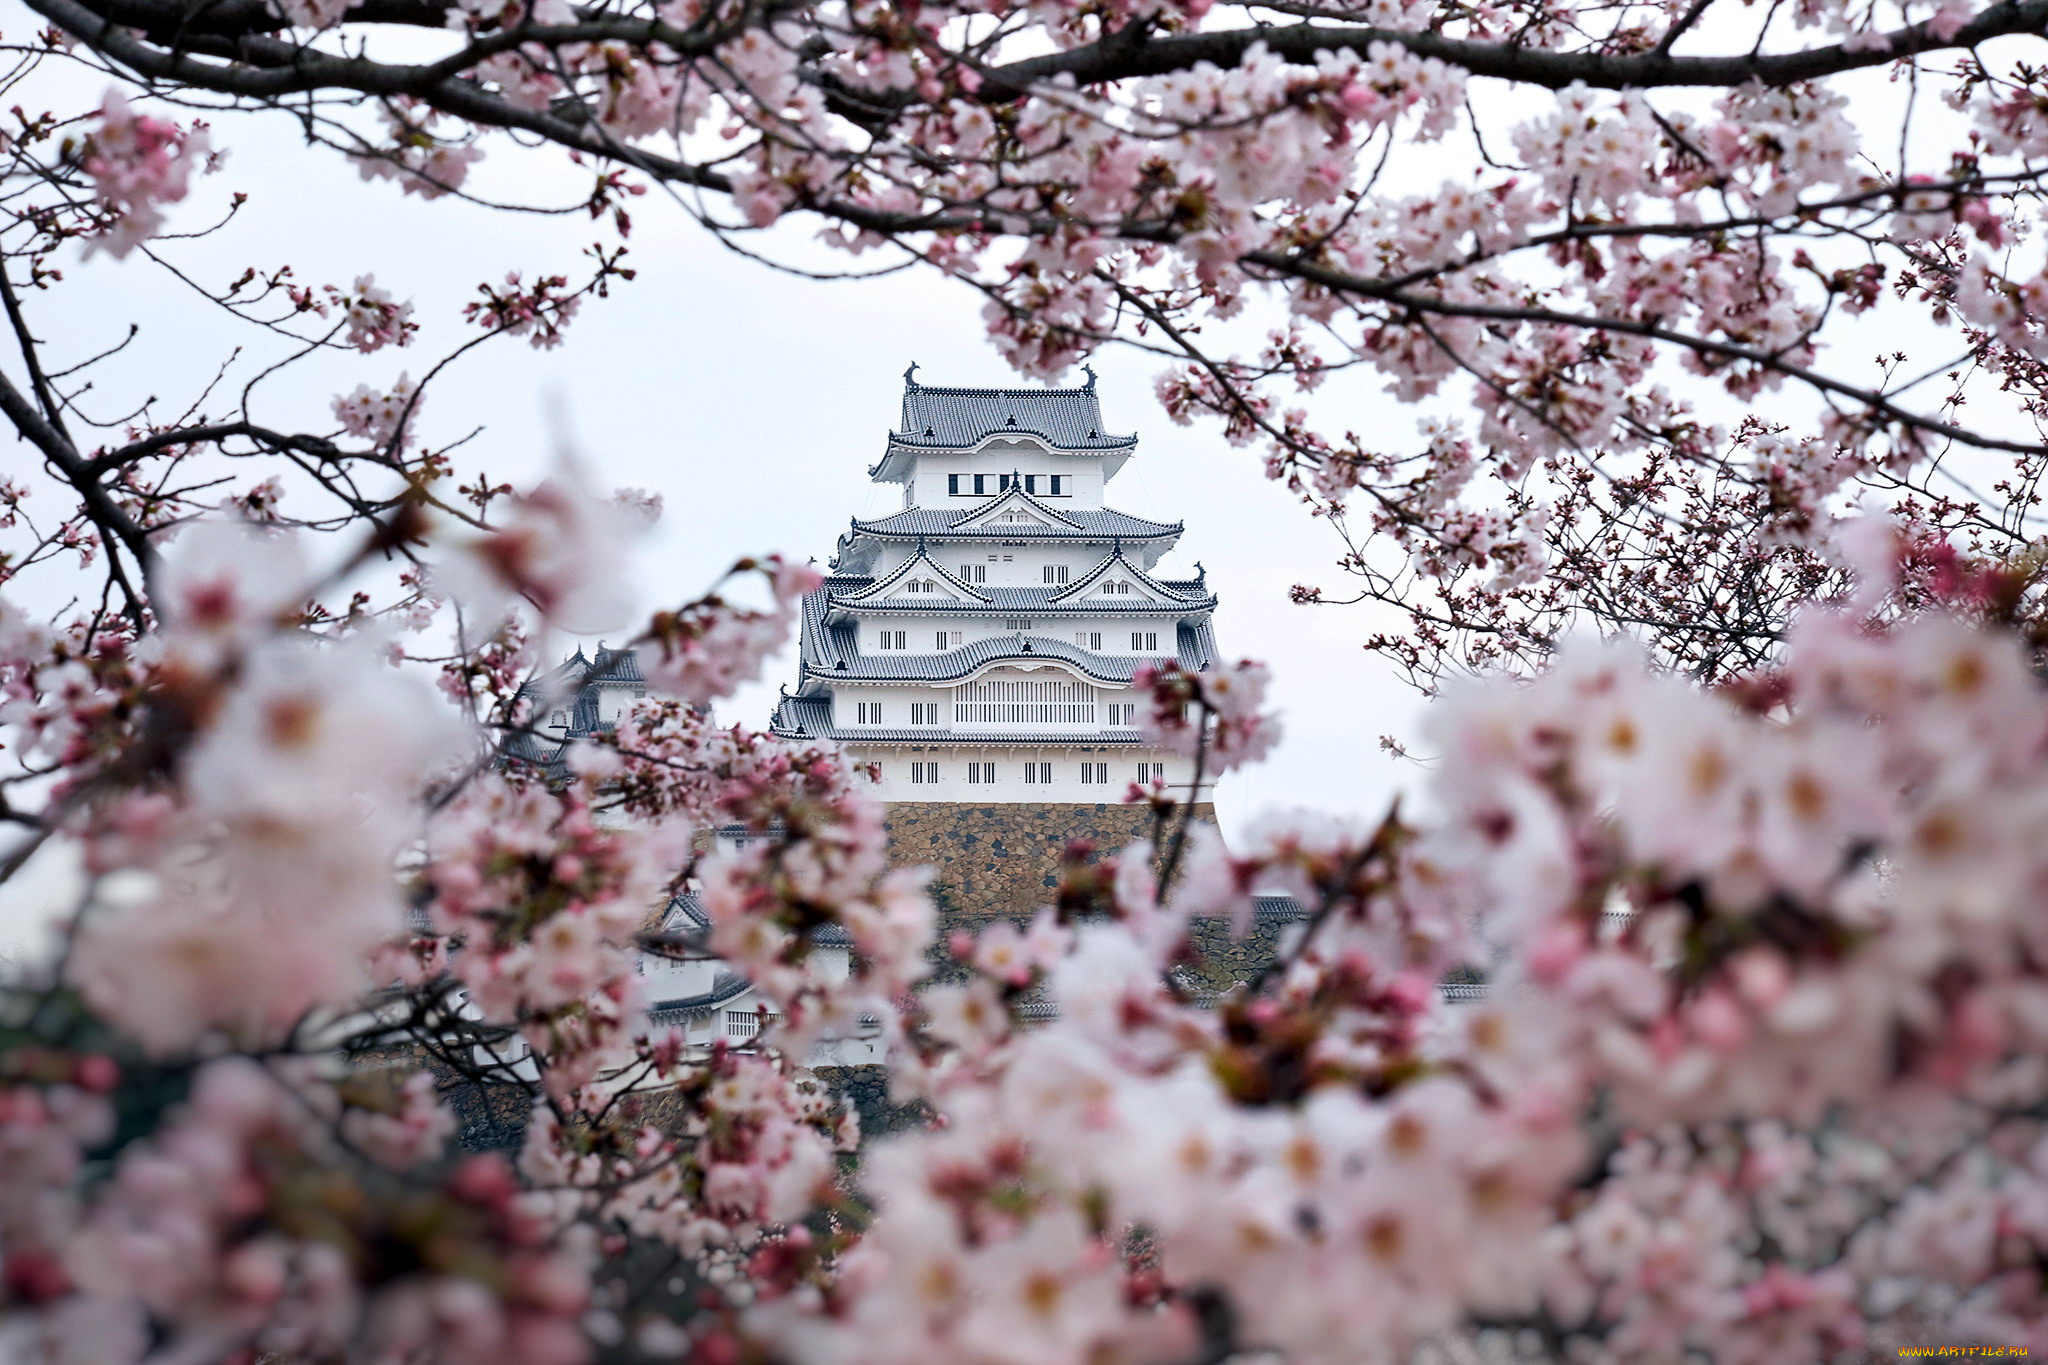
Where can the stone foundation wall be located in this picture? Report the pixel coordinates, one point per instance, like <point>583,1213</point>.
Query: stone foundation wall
<point>865,1089</point>
<point>1004,860</point>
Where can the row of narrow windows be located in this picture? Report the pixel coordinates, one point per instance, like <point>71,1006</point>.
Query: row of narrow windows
<point>1142,641</point>
<point>1028,703</point>
<point>1003,706</point>
<point>981,485</point>
<point>1094,774</point>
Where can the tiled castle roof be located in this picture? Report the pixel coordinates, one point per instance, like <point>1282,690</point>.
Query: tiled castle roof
<point>686,914</point>
<point>954,419</point>
<point>1097,523</point>
<point>1041,602</point>
<point>571,687</point>
<point>825,646</point>
<point>1181,596</point>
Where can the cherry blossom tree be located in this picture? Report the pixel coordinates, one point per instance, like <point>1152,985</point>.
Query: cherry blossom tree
<point>1585,239</point>
<point>1761,1071</point>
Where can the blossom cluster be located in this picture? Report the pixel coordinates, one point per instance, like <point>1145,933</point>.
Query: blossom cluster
<point>138,164</point>
<point>1213,713</point>
<point>290,846</point>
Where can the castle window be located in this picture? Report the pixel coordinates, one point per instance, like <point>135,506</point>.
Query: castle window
<point>924,774</point>
<point>1056,573</point>
<point>1117,587</point>
<point>924,585</point>
<point>924,713</point>
<point>1056,479</point>
<point>1088,639</point>
<point>1038,772</point>
<point>742,1023</point>
<point>980,485</point>
<point>1120,712</point>
<point>1095,774</point>
<point>894,639</point>
<point>1151,772</point>
<point>1016,623</point>
<point>1144,642</point>
<point>952,485</point>
<point>868,712</point>
<point>1030,483</point>
<point>974,573</point>
<point>1002,483</point>
<point>981,772</point>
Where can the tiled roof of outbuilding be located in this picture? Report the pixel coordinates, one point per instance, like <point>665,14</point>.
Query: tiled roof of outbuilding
<point>571,686</point>
<point>685,913</point>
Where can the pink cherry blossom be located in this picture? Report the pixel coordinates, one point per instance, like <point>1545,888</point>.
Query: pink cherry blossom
<point>138,163</point>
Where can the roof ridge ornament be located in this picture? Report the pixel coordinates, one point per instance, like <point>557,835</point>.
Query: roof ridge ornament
<point>910,378</point>
<point>1088,387</point>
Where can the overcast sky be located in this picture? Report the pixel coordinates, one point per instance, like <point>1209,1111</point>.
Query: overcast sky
<point>754,402</point>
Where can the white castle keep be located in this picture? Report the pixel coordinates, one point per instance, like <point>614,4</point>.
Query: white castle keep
<point>979,645</point>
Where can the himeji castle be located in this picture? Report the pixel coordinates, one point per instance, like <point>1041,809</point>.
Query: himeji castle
<point>978,646</point>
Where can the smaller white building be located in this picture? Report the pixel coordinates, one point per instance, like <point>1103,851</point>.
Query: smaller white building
<point>698,994</point>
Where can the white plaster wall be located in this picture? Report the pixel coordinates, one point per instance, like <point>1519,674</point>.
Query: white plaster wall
<point>1020,565</point>
<point>895,702</point>
<point>927,484</point>
<point>667,979</point>
<point>1010,786</point>
<point>896,699</point>
<point>613,700</point>
<point>1023,569</point>
<point>922,631</point>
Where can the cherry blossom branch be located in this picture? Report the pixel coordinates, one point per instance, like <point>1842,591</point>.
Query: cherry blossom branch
<point>1146,54</point>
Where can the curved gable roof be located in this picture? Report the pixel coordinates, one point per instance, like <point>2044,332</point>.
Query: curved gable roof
<point>1110,561</point>
<point>1079,523</point>
<point>876,590</point>
<point>977,518</point>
